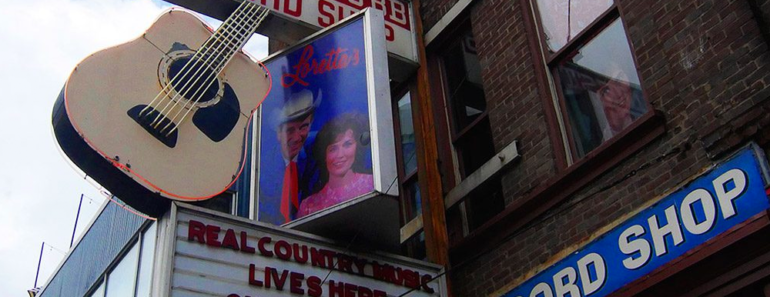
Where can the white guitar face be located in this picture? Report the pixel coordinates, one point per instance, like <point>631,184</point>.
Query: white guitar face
<point>183,141</point>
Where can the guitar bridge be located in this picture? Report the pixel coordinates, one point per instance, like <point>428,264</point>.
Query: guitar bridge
<point>157,128</point>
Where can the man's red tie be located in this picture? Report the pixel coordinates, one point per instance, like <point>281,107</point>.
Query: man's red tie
<point>289,195</point>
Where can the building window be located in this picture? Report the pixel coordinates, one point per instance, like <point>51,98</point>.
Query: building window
<point>589,57</point>
<point>469,129</point>
<point>131,274</point>
<point>413,245</point>
<point>411,204</point>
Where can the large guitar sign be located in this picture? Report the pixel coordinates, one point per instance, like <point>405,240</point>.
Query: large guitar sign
<point>165,115</point>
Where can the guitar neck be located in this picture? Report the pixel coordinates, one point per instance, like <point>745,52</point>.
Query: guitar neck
<point>232,35</point>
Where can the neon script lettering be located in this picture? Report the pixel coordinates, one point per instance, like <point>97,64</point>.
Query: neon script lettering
<point>334,59</point>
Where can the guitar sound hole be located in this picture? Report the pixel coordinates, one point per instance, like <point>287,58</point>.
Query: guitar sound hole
<point>197,82</point>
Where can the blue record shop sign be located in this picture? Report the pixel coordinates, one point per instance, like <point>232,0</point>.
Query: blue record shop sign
<point>722,198</point>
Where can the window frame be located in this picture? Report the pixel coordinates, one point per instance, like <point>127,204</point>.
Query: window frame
<point>571,175</point>
<point>137,240</point>
<point>404,178</point>
<point>450,138</point>
<point>555,92</point>
<point>413,227</point>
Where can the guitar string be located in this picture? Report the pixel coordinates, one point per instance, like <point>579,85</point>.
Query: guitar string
<point>199,58</point>
<point>183,74</point>
<point>207,54</point>
<point>242,32</point>
<point>176,78</point>
<point>246,36</point>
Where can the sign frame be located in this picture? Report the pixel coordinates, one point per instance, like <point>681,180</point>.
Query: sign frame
<point>719,199</point>
<point>385,230</point>
<point>168,234</point>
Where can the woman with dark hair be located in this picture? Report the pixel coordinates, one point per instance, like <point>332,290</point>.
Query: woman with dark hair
<point>340,150</point>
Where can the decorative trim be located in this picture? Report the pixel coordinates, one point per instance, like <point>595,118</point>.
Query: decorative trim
<point>445,20</point>
<point>410,229</point>
<point>491,168</point>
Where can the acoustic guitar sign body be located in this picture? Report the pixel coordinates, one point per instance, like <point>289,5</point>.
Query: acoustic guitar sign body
<point>165,116</point>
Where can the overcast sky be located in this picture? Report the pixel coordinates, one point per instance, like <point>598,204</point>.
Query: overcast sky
<point>42,41</point>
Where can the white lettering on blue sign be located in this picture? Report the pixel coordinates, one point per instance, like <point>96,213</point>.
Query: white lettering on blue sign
<point>710,205</point>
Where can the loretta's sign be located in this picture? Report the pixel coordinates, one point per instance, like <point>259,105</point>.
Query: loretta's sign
<point>233,257</point>
<point>322,142</point>
<point>715,202</point>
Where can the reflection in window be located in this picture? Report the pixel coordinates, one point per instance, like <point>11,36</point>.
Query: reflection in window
<point>601,89</point>
<point>463,81</point>
<point>145,263</point>
<point>121,280</point>
<point>564,19</point>
<point>406,125</point>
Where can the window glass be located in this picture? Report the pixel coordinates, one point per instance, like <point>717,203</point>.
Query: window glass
<point>601,89</point>
<point>145,263</point>
<point>99,291</point>
<point>415,246</point>
<point>472,133</point>
<point>408,144</point>
<point>120,281</point>
<point>564,19</point>
<point>413,205</point>
<point>484,202</point>
<point>463,81</point>
<point>476,147</point>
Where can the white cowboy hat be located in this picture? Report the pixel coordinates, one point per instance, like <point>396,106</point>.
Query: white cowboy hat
<point>298,106</point>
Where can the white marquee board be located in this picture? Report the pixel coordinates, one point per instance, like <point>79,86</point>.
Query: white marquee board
<point>217,255</point>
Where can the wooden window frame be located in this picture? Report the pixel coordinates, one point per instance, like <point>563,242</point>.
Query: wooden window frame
<point>404,178</point>
<point>412,227</point>
<point>590,32</point>
<point>571,176</point>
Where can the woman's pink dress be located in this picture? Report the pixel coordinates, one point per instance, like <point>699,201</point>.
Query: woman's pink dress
<point>328,196</point>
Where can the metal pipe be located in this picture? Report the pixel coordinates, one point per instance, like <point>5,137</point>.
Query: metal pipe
<point>38,263</point>
<point>76,221</point>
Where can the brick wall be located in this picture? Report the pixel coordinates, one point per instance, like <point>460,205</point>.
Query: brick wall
<point>513,100</point>
<point>704,64</point>
<point>433,10</point>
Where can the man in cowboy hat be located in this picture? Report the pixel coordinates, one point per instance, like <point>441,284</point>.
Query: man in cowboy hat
<point>292,123</point>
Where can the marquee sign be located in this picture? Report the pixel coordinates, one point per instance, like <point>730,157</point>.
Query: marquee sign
<point>234,257</point>
<point>715,202</point>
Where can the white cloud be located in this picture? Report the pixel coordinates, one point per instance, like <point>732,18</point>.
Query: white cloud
<point>39,192</point>
<point>42,41</point>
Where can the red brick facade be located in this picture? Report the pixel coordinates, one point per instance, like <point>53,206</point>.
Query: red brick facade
<point>704,67</point>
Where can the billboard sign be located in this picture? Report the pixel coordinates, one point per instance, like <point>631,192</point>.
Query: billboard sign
<point>399,26</point>
<point>712,204</point>
<point>326,127</point>
<point>215,255</point>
